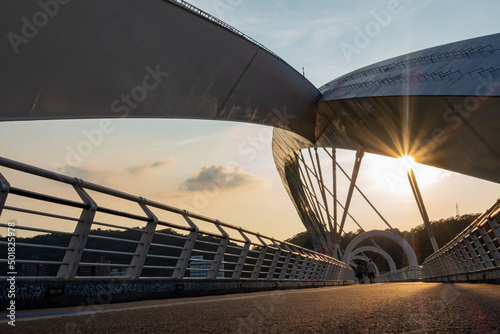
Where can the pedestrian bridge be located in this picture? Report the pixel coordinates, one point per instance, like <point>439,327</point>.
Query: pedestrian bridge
<point>152,250</point>
<point>174,67</point>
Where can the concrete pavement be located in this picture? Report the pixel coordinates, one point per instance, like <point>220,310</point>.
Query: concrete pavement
<point>377,308</point>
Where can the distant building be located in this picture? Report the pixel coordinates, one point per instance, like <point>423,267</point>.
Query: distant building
<point>116,272</point>
<point>102,270</point>
<point>200,268</point>
<point>85,270</point>
<point>37,269</point>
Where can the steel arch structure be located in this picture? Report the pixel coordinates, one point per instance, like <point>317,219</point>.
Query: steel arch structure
<point>412,259</point>
<point>438,105</point>
<point>384,254</point>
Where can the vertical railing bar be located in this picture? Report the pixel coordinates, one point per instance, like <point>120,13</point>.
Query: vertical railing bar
<point>258,265</point>
<point>4,191</point>
<point>142,249</point>
<point>243,257</point>
<point>274,263</point>
<point>219,256</point>
<point>286,263</point>
<point>78,241</point>
<point>185,255</point>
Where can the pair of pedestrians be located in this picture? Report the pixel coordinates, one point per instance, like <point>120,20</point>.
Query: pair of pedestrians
<point>360,272</point>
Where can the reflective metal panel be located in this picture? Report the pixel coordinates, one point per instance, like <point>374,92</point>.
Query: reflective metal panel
<point>148,58</point>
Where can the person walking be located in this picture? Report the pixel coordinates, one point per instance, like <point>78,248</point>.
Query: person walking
<point>360,273</point>
<point>371,271</point>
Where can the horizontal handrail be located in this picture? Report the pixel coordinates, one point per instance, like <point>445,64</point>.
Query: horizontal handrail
<point>180,251</point>
<point>471,250</point>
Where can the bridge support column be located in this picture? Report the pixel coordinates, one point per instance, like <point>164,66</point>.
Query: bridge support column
<point>421,208</point>
<point>355,172</point>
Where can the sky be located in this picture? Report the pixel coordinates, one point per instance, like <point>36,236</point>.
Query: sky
<point>225,170</point>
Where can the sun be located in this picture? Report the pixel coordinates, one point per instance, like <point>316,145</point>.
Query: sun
<point>407,162</point>
<point>425,175</point>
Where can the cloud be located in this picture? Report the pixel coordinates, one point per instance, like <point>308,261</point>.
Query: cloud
<point>201,139</point>
<point>149,166</point>
<point>222,177</point>
<point>84,173</point>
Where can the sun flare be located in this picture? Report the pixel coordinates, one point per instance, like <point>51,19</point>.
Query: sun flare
<point>391,174</point>
<point>407,162</point>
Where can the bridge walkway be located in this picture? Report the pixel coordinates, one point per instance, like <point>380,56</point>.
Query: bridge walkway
<point>378,308</point>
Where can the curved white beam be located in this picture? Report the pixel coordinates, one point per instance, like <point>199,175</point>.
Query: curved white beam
<point>387,257</point>
<point>365,259</point>
<point>410,254</point>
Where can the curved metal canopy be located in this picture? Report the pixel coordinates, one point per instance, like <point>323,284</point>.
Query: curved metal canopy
<point>438,105</point>
<point>147,59</point>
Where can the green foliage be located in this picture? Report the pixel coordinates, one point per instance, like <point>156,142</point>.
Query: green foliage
<point>302,239</point>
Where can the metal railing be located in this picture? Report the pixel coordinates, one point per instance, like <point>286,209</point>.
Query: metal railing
<point>406,274</point>
<point>84,230</point>
<point>475,249</point>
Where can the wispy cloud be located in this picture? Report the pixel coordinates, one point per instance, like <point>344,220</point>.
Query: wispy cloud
<point>149,166</point>
<point>194,140</point>
<point>218,176</point>
<point>84,173</point>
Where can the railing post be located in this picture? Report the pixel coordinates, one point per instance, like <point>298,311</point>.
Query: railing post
<point>286,263</point>
<point>137,262</point>
<point>78,241</point>
<point>338,273</point>
<point>482,252</point>
<point>311,267</point>
<point>318,267</point>
<point>330,273</point>
<point>460,256</point>
<point>238,269</point>
<point>258,265</point>
<point>4,191</point>
<point>495,227</point>
<point>305,265</point>
<point>491,246</point>
<point>183,261</point>
<point>459,267</point>
<point>325,265</point>
<point>298,257</point>
<point>219,257</point>
<point>274,263</point>
<point>468,259</point>
<point>475,258</point>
